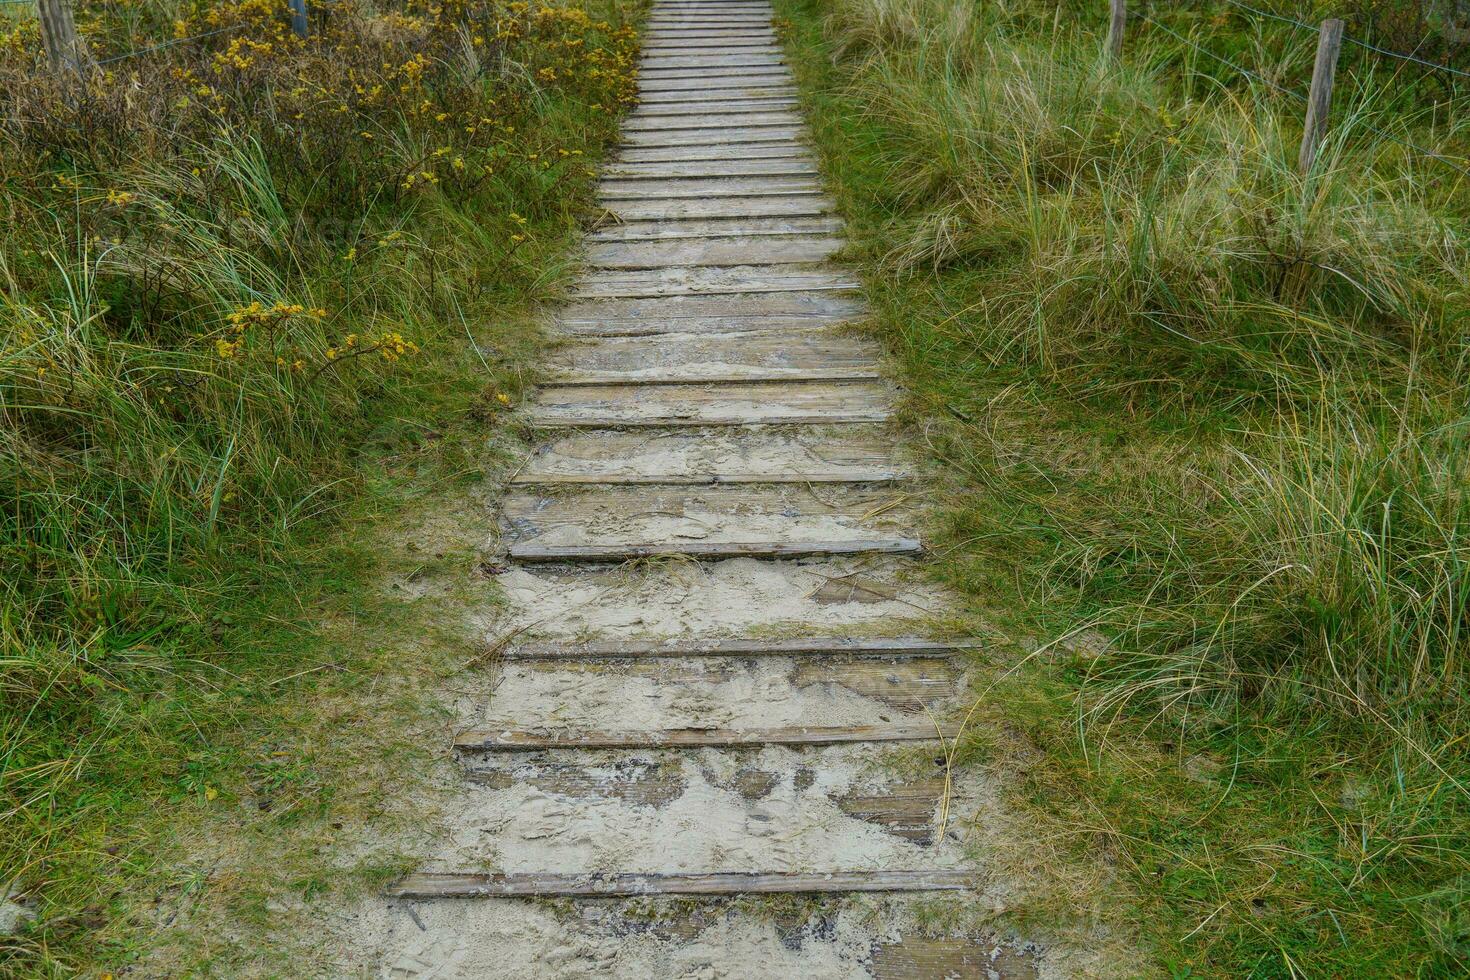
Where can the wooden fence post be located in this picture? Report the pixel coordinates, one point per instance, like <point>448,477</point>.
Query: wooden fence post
<point>298,18</point>
<point>1116,24</point>
<point>1319,99</point>
<point>64,50</point>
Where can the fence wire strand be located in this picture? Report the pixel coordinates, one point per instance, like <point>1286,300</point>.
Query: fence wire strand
<point>1389,52</point>
<point>1268,14</point>
<point>1223,60</point>
<point>1375,130</point>
<point>167,44</point>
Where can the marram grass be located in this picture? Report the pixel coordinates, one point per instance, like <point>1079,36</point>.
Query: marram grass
<point>1201,421</point>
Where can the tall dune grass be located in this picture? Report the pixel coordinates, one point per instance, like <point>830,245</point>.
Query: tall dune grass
<point>1208,406</point>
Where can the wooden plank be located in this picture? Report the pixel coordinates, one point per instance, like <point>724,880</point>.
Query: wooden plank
<point>657,47</point>
<point>712,155</point>
<point>700,313</point>
<point>924,958</point>
<point>717,457</point>
<point>906,809</point>
<point>697,252</point>
<point>711,36</point>
<point>637,783</point>
<point>613,197</point>
<point>692,72</point>
<point>691,228</point>
<point>528,740</point>
<point>851,647</point>
<point>658,109</point>
<point>807,355</point>
<point>754,90</point>
<point>711,550</point>
<point>616,406</point>
<point>795,166</point>
<point>612,523</point>
<point>797,204</point>
<point>788,136</point>
<point>428,885</point>
<point>743,118</point>
<point>713,281</point>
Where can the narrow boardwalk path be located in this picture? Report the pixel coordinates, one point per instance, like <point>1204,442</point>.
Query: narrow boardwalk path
<point>718,681</point>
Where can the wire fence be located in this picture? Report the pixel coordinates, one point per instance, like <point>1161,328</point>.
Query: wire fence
<point>1309,97</point>
<point>167,44</point>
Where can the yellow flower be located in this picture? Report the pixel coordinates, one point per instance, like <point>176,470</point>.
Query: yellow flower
<point>120,197</point>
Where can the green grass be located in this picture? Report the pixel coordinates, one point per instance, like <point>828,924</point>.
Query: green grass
<point>266,308</point>
<point>1201,424</point>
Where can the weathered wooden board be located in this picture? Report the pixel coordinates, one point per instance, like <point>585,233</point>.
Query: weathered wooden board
<point>528,740</point>
<point>690,107</point>
<point>700,359</point>
<point>636,781</point>
<point>613,191</point>
<point>620,522</point>
<point>697,252</point>
<point>615,406</point>
<point>753,90</point>
<point>426,885</point>
<point>824,647</point>
<point>708,314</point>
<point>758,57</point>
<point>712,281</point>
<point>909,684</point>
<point>796,166</point>
<point>659,27</point>
<point>790,136</point>
<point>731,456</point>
<point>905,808</point>
<point>675,47</point>
<point>712,154</point>
<point>657,35</point>
<point>712,550</point>
<point>711,120</point>
<point>924,958</point>
<point>757,72</point>
<point>686,229</point>
<point>797,204</point>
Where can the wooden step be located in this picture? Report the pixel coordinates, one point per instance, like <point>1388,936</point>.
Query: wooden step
<point>621,523</point>
<point>729,456</point>
<point>806,646</point>
<point>734,118</point>
<point>713,251</point>
<point>674,188</point>
<point>805,355</point>
<point>906,808</point>
<point>705,228</point>
<point>786,137</point>
<point>709,314</point>
<point>427,885</point>
<point>710,281</point>
<point>530,740</point>
<point>789,167</point>
<point>738,403</point>
<point>713,154</point>
<point>751,90</point>
<point>714,550</point>
<point>696,78</point>
<point>657,109</point>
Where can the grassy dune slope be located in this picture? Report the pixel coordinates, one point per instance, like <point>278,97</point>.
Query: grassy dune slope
<point>1202,424</point>
<point>257,294</point>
